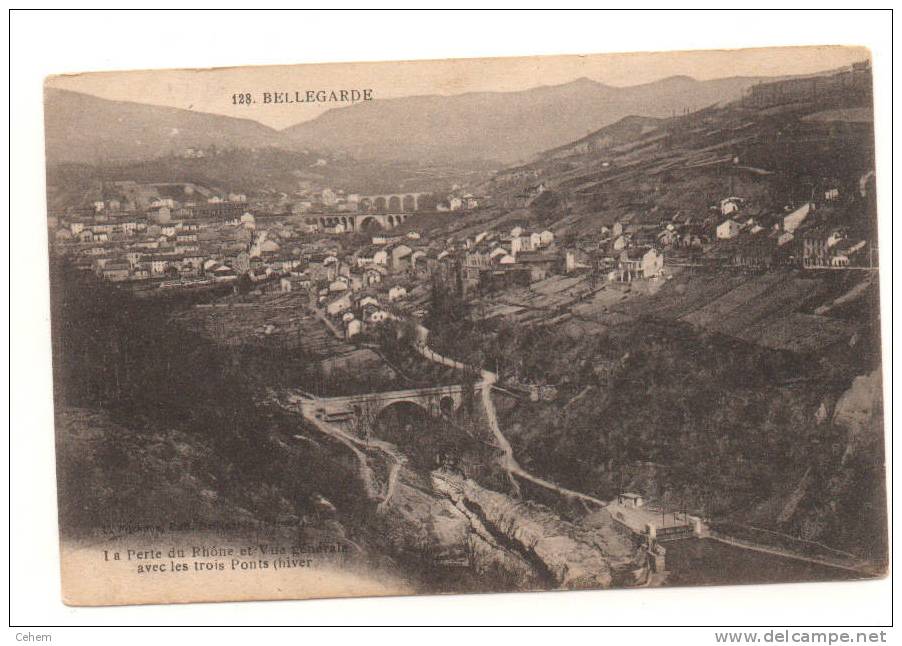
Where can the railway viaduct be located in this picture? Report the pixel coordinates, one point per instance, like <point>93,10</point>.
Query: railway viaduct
<point>390,203</point>
<point>362,221</point>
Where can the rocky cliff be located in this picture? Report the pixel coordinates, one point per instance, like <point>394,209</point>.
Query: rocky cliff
<point>560,553</point>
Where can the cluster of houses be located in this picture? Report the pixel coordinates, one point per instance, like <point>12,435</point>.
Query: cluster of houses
<point>357,311</point>
<point>626,251</point>
<point>465,202</point>
<point>135,236</point>
<point>375,282</point>
<point>324,200</point>
<point>736,232</point>
<point>493,259</point>
<point>522,257</point>
<point>811,235</point>
<point>371,283</point>
<point>161,201</point>
<point>368,286</point>
<point>169,253</point>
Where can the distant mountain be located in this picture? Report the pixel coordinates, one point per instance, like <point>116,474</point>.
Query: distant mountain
<point>80,127</point>
<point>501,126</point>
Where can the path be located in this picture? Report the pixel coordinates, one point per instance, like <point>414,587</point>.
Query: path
<point>508,461</point>
<point>307,407</point>
<point>510,464</point>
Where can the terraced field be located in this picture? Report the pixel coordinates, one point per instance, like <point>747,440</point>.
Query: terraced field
<point>802,333</point>
<point>279,317</point>
<point>681,296</point>
<point>781,310</point>
<point>765,310</point>
<point>719,314</point>
<point>775,301</point>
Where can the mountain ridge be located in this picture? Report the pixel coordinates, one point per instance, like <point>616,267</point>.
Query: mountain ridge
<point>84,127</point>
<point>506,127</point>
<point>501,127</point>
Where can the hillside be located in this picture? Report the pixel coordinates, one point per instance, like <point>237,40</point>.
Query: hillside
<point>626,130</point>
<point>724,388</point>
<point>501,126</point>
<point>641,169</point>
<point>80,127</point>
<point>259,173</point>
<point>497,127</point>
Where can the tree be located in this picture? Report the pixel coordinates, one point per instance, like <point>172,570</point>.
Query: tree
<point>502,345</point>
<point>244,284</point>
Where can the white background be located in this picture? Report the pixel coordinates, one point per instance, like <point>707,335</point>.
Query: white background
<point>43,43</point>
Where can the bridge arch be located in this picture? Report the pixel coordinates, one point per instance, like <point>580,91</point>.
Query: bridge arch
<point>364,411</point>
<point>394,202</point>
<point>402,405</point>
<point>435,404</point>
<point>412,428</point>
<point>370,223</point>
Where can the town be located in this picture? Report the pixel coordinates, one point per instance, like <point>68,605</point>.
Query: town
<point>362,261</point>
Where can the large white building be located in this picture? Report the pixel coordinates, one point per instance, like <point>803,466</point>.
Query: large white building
<point>794,220</point>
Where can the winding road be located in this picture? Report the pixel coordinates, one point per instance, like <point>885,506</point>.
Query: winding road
<point>307,404</point>
<point>508,461</point>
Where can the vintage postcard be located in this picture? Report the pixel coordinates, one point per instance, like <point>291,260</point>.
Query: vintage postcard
<point>477,325</point>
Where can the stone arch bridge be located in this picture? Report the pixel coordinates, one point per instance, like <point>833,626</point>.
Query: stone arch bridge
<point>363,409</point>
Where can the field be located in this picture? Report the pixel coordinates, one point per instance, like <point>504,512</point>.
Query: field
<point>718,314</point>
<point>801,312</point>
<point>765,310</point>
<point>801,333</point>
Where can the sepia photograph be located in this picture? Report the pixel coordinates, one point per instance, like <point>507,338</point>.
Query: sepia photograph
<point>431,327</point>
<point>407,319</point>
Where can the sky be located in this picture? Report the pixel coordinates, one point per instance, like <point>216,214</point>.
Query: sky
<point>212,90</point>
